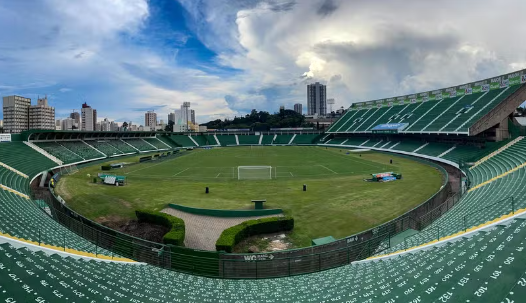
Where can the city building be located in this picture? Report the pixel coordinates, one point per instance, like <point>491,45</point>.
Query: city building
<point>105,125</point>
<point>317,99</point>
<point>114,126</point>
<point>75,116</point>
<point>69,124</point>
<point>88,118</point>
<point>192,116</point>
<point>150,119</point>
<point>41,115</point>
<point>298,107</point>
<point>282,107</point>
<point>16,114</point>
<point>171,117</point>
<point>58,124</point>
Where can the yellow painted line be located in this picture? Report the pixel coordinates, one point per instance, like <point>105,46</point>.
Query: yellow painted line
<point>496,152</point>
<point>14,170</point>
<point>453,235</point>
<point>68,250</point>
<point>9,189</point>
<point>497,177</point>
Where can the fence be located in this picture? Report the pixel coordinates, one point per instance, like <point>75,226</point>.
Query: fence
<point>278,264</point>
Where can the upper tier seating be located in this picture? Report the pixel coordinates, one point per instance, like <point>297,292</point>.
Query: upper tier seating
<point>449,115</point>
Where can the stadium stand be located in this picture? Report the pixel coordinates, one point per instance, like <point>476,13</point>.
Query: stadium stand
<point>140,144</point>
<point>16,155</point>
<point>168,141</point>
<point>201,140</point>
<point>105,147</point>
<point>282,139</point>
<point>182,140</point>
<point>123,147</point>
<point>59,151</point>
<point>480,257</point>
<point>211,140</point>
<point>425,276</point>
<point>448,115</point>
<point>248,139</point>
<point>226,140</point>
<point>82,149</point>
<point>155,142</point>
<point>305,139</point>
<point>267,139</point>
<point>22,219</point>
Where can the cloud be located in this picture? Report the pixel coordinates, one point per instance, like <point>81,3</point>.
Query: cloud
<point>230,56</point>
<point>328,7</point>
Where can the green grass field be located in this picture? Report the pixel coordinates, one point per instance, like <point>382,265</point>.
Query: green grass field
<point>338,202</point>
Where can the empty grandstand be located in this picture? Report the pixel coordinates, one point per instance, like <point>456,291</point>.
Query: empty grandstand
<point>463,247</point>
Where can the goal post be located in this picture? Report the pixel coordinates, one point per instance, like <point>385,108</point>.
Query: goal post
<point>254,172</point>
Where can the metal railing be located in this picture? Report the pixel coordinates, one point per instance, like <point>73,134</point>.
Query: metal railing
<point>482,215</point>
<point>112,243</point>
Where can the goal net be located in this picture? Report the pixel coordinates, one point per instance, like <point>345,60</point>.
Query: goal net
<point>254,172</point>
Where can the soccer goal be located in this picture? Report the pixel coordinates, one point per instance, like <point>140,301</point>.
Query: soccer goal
<point>254,172</point>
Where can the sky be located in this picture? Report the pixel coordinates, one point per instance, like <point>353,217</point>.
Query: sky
<point>227,57</point>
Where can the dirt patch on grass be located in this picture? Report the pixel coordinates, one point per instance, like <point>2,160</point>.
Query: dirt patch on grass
<point>146,231</point>
<point>264,243</point>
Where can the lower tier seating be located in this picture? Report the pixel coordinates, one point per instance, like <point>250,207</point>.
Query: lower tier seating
<point>81,149</point>
<point>182,140</point>
<point>227,140</point>
<point>155,142</point>
<point>16,155</point>
<point>59,151</point>
<point>487,267</point>
<point>140,144</point>
<point>248,139</point>
<point>105,147</point>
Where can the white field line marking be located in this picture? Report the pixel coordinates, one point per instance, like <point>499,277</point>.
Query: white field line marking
<point>328,169</point>
<point>291,174</point>
<point>181,172</point>
<point>218,175</point>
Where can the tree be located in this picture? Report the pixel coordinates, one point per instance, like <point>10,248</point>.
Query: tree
<point>169,127</point>
<point>125,124</point>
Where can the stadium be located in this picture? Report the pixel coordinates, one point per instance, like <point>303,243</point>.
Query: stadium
<point>457,236</point>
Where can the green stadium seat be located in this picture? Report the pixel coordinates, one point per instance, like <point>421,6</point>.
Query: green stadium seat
<point>140,144</point>
<point>248,139</point>
<point>59,151</point>
<point>227,140</point>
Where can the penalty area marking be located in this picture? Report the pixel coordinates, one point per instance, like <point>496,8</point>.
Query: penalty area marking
<point>181,172</point>
<point>328,169</point>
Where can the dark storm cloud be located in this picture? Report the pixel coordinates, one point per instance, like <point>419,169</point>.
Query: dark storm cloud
<point>328,7</point>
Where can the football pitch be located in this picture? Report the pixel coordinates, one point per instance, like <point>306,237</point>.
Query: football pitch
<point>337,202</point>
<point>223,163</point>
